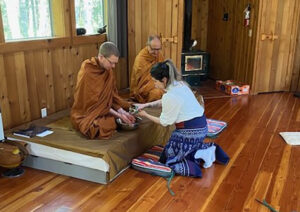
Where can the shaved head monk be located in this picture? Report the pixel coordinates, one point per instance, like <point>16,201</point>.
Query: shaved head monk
<point>142,87</point>
<point>96,99</point>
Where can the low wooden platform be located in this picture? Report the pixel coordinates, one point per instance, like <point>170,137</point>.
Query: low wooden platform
<point>115,153</point>
<point>262,166</point>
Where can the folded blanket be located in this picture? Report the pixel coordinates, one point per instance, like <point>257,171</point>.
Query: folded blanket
<point>291,138</point>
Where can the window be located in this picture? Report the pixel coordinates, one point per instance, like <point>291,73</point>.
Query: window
<point>26,19</point>
<point>89,15</point>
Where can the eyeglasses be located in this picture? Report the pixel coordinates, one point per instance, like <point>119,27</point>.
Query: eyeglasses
<point>154,49</point>
<point>111,63</point>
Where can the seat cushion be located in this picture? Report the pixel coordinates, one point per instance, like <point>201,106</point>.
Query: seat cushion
<point>215,127</point>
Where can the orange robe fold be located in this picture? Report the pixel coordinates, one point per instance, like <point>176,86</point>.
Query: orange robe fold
<point>142,87</point>
<point>94,95</point>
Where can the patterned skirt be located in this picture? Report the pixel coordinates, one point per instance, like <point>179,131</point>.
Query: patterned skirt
<point>179,153</point>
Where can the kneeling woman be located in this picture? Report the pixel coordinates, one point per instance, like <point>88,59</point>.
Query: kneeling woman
<point>185,148</point>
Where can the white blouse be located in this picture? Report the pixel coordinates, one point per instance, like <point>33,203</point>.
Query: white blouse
<point>179,104</point>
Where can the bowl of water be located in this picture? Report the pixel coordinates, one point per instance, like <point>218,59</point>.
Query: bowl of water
<point>125,126</point>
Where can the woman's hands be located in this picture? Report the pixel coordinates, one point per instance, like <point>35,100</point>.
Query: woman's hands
<point>142,113</point>
<point>156,103</point>
<point>148,116</point>
<point>140,106</point>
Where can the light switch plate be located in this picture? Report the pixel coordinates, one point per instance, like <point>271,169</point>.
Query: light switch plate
<point>44,112</point>
<point>1,128</point>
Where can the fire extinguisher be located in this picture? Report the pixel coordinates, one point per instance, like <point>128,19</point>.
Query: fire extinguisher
<point>247,15</point>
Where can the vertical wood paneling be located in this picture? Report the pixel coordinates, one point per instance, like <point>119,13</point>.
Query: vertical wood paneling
<point>168,29</point>
<point>36,79</point>
<point>295,85</point>
<point>161,22</point>
<point>180,32</point>
<point>138,25</point>
<point>41,79</point>
<point>131,35</point>
<point>231,44</point>
<point>273,70</point>
<point>174,33</point>
<point>199,23</point>
<point>59,81</point>
<point>4,96</point>
<point>33,82</point>
<point>21,81</point>
<point>145,21</point>
<point>68,18</point>
<point>48,75</point>
<point>163,18</point>
<point>12,88</point>
<point>68,76</point>
<point>72,17</point>
<point>153,17</point>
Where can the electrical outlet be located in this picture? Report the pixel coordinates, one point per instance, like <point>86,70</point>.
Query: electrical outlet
<point>44,112</point>
<point>250,33</point>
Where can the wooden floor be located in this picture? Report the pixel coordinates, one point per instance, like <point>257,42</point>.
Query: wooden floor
<point>262,166</point>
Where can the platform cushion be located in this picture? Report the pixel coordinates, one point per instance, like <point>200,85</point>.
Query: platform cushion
<point>148,163</point>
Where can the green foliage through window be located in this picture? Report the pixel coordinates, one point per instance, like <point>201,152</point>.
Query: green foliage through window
<point>89,15</point>
<point>26,19</point>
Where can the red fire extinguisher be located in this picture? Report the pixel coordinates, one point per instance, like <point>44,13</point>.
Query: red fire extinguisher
<point>247,15</point>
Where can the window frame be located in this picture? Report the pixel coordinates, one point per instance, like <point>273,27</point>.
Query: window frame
<point>103,13</point>
<point>2,34</point>
<point>64,30</point>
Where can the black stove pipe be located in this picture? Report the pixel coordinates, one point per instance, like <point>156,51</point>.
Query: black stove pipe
<point>187,42</point>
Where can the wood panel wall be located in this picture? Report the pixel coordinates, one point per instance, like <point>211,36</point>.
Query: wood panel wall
<point>275,57</point>
<point>230,43</point>
<point>199,23</point>
<point>42,73</point>
<point>295,85</point>
<point>36,79</point>
<point>160,17</point>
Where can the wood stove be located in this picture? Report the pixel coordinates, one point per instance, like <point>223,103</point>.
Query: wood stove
<point>194,66</point>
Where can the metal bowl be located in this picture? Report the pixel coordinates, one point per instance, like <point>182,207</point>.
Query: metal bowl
<point>125,126</point>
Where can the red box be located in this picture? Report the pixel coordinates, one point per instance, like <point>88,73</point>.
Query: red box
<point>232,87</point>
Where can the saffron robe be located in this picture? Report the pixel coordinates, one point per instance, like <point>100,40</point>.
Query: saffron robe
<point>142,87</point>
<point>95,94</point>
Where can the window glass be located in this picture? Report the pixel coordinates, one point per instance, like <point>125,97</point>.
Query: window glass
<point>89,15</point>
<point>26,19</point>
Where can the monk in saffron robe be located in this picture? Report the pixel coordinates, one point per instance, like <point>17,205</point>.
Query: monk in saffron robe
<point>142,87</point>
<point>96,99</point>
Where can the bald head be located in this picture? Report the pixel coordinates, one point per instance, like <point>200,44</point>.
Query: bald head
<point>108,49</point>
<point>154,45</point>
<point>153,37</point>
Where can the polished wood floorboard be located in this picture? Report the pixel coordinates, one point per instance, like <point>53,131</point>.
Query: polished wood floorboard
<point>262,166</point>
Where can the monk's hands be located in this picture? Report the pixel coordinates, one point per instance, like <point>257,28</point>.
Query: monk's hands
<point>126,117</point>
